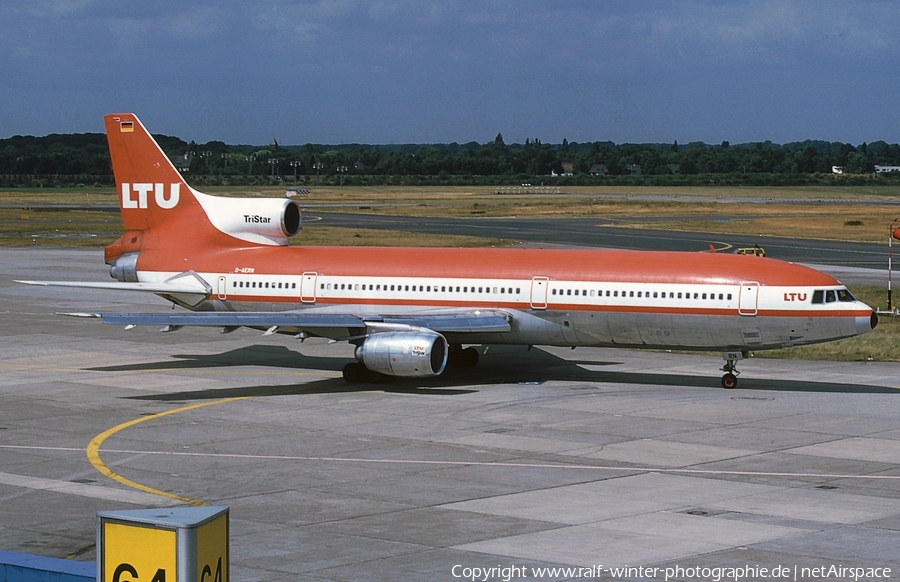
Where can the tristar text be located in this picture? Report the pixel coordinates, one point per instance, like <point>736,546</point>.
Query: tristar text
<point>256,218</point>
<point>142,191</point>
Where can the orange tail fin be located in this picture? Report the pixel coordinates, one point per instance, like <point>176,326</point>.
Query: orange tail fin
<point>149,185</point>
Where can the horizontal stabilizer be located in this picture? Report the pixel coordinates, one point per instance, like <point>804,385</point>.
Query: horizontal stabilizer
<point>166,288</point>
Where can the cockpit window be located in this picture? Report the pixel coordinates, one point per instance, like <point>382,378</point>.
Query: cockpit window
<point>845,295</point>
<point>832,295</point>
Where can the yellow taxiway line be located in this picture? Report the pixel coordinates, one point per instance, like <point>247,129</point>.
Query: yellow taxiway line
<point>93,450</point>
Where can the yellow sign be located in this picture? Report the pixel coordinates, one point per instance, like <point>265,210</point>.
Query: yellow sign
<point>138,554</point>
<point>212,550</point>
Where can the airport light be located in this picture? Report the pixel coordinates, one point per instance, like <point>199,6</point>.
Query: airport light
<point>296,165</point>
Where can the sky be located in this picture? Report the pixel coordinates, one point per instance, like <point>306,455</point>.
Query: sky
<point>417,71</point>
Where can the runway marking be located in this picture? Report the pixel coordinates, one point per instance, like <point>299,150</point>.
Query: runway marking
<point>497,464</point>
<point>502,465</point>
<point>93,450</point>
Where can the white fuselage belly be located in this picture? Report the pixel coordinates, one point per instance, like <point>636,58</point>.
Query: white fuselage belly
<point>561,313</point>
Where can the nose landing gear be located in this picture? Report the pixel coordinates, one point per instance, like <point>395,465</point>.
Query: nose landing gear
<point>729,380</point>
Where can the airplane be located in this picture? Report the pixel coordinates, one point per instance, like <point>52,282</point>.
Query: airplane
<point>411,312</point>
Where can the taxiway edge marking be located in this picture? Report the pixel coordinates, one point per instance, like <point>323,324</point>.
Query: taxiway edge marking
<point>93,450</point>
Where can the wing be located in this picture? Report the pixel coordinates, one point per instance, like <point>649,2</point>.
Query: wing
<point>335,326</point>
<point>191,288</point>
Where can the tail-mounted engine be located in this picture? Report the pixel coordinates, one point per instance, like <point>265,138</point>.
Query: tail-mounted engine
<point>411,354</point>
<point>269,221</point>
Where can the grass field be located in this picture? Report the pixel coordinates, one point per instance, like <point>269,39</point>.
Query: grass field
<point>816,213</point>
<point>806,212</point>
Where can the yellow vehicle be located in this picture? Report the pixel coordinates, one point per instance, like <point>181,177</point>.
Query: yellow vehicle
<point>754,250</point>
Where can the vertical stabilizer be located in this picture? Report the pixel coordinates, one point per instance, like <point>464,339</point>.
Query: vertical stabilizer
<point>150,188</point>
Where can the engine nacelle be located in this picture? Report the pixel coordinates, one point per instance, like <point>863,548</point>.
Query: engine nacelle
<point>268,221</point>
<point>405,353</point>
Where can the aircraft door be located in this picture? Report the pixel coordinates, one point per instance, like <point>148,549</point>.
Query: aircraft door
<point>308,288</point>
<point>222,288</point>
<point>539,287</point>
<point>748,297</point>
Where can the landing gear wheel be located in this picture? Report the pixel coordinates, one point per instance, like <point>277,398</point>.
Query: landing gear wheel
<point>378,378</point>
<point>355,373</point>
<point>463,358</point>
<point>729,381</point>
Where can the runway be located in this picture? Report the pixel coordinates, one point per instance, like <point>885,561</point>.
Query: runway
<point>600,232</point>
<point>551,458</point>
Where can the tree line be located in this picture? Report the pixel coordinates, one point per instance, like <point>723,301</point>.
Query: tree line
<point>61,159</point>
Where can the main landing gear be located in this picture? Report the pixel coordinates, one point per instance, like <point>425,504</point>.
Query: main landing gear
<point>357,373</point>
<point>729,380</point>
<point>461,357</point>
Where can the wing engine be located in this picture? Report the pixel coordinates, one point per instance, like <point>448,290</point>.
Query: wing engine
<point>404,353</point>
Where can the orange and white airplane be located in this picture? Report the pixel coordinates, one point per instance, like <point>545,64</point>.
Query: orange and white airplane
<point>410,311</point>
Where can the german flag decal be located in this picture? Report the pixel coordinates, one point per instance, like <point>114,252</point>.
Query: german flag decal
<point>126,127</point>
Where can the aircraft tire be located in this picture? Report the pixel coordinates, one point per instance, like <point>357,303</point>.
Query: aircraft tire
<point>355,373</point>
<point>729,381</point>
<point>377,377</point>
<point>464,358</point>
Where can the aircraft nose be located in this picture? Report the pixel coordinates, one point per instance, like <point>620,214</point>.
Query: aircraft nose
<point>865,324</point>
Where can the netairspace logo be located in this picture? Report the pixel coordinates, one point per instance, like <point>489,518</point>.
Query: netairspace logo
<point>711,574</point>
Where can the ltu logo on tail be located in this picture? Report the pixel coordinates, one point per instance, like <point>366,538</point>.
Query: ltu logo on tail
<point>136,195</point>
